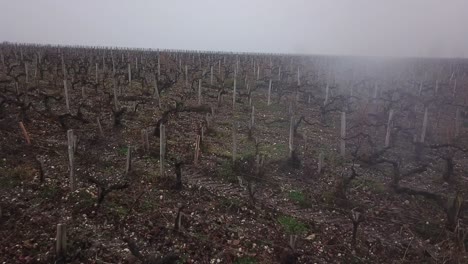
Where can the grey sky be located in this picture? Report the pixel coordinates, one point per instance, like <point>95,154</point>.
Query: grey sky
<point>352,27</point>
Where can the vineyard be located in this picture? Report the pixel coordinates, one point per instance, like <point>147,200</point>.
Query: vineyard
<point>111,155</point>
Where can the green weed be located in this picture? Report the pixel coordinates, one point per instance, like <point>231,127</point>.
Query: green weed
<point>10,178</point>
<point>299,198</point>
<point>292,226</point>
<point>122,150</point>
<point>226,171</point>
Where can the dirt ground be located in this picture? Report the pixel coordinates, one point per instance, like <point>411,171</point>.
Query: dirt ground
<point>230,213</point>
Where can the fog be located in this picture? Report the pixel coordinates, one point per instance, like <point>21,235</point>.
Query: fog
<point>416,28</point>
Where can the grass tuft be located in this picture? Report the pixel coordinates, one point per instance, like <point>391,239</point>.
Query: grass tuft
<point>10,178</point>
<point>299,198</point>
<point>292,226</point>
<point>226,171</point>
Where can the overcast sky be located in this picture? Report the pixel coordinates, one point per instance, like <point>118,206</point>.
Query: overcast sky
<point>348,27</point>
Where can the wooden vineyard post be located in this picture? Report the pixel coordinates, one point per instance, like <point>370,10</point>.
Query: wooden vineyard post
<point>250,99</point>
<point>270,71</point>
<point>103,64</point>
<point>258,72</point>
<point>208,121</point>
<point>457,122</point>
<point>35,67</point>
<point>156,92</point>
<point>61,241</point>
<point>67,99</point>
<point>252,118</point>
<point>113,64</point>
<point>202,134</point>
<point>101,131</point>
<point>200,92</point>
<point>234,143</point>
<point>26,72</point>
<point>375,104</point>
<point>291,138</point>
<point>234,93</point>
<point>327,90</point>
<point>25,133</point>
<point>71,158</point>
<point>211,75</point>
<point>292,241</point>
<point>145,140</point>
<point>162,148</point>
<point>64,70</point>
<point>128,164</point>
<point>199,59</point>
<point>55,78</point>
<point>420,88</point>
<point>97,74</point>
<point>424,127</point>
<point>269,93</point>
<point>254,68</point>
<point>454,91</point>
<point>356,218</point>
<point>159,68</point>
<point>389,128</point>
<point>298,76</point>
<point>279,73</point>
<point>116,100</point>
<point>197,149</point>
<point>186,77</point>
<point>343,134</point>
<point>320,163</point>
<point>178,223</point>
<point>259,164</point>
<point>129,76</point>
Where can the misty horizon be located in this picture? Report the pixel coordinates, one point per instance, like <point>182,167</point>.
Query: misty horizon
<point>357,28</point>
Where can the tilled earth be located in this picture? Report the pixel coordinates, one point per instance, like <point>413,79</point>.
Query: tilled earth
<point>220,222</point>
